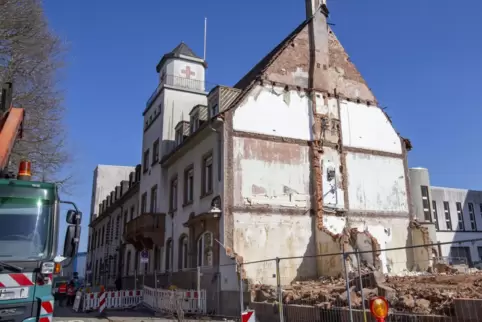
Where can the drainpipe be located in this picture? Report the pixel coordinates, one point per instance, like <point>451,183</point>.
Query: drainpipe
<point>219,141</point>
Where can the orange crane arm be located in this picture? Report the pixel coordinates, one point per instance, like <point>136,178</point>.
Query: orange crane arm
<point>10,125</point>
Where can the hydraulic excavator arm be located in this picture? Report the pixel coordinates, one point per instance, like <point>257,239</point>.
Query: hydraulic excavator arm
<point>11,125</point>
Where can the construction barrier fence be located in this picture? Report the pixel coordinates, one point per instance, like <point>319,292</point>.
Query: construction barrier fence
<point>87,302</point>
<point>176,301</point>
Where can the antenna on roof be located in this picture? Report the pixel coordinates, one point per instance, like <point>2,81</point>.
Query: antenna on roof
<point>205,35</point>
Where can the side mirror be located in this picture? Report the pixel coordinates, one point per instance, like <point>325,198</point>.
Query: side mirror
<point>74,217</point>
<point>71,242</point>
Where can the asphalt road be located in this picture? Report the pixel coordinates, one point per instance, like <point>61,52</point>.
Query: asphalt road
<point>66,314</point>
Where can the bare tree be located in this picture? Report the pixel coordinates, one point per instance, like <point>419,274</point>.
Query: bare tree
<point>31,57</point>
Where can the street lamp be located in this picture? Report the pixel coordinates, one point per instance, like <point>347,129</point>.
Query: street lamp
<point>216,207</point>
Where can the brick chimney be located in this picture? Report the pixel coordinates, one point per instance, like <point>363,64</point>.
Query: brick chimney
<point>318,30</point>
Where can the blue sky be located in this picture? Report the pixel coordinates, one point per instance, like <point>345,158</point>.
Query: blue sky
<point>421,58</point>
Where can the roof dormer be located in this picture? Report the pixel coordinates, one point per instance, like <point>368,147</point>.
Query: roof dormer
<point>182,132</point>
<point>198,115</point>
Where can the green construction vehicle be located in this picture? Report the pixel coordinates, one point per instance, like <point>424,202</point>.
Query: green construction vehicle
<point>29,225</point>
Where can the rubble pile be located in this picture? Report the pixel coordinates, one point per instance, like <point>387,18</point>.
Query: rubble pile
<point>420,294</point>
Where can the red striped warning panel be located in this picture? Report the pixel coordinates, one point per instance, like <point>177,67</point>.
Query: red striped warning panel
<point>16,279</point>
<point>248,316</point>
<point>45,319</point>
<point>47,308</point>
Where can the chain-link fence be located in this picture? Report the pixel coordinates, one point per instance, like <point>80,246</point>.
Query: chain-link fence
<point>418,283</point>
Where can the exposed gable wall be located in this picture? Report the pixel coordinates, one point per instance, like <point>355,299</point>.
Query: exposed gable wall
<point>291,67</point>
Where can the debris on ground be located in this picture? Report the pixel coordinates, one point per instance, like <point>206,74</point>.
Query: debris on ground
<point>423,293</point>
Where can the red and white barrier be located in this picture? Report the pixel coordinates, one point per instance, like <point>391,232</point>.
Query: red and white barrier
<point>102,303</point>
<point>165,301</point>
<point>248,316</point>
<point>112,300</point>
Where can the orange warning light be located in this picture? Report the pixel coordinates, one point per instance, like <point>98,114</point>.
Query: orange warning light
<point>379,308</point>
<point>25,169</point>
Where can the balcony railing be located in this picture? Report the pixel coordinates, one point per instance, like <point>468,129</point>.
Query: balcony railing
<point>146,229</point>
<point>176,81</point>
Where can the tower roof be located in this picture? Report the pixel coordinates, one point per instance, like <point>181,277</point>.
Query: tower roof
<point>181,49</point>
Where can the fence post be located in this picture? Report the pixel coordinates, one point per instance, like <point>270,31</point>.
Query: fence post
<point>360,280</point>
<point>241,296</point>
<point>155,279</point>
<point>347,281</point>
<point>279,291</point>
<point>198,286</point>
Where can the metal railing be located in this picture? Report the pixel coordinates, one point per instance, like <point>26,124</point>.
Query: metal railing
<point>417,287</point>
<point>176,81</point>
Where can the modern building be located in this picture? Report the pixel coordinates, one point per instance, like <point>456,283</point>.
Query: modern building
<point>105,246</point>
<point>454,214</point>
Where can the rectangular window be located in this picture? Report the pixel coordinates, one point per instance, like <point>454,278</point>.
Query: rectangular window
<point>155,152</point>
<point>154,199</point>
<point>214,110</point>
<point>448,221</point>
<point>102,240</point>
<point>473,223</point>
<point>207,175</point>
<point>435,215</point>
<point>460,216</point>
<point>145,162</point>
<point>479,250</point>
<point>194,123</point>
<point>425,203</point>
<point>125,220</point>
<point>132,213</point>
<point>188,185</point>
<point>117,226</point>
<point>179,137</point>
<point>173,195</point>
<point>143,203</point>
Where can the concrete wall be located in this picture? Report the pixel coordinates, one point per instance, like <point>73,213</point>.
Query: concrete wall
<point>277,112</point>
<point>272,186</point>
<point>376,183</point>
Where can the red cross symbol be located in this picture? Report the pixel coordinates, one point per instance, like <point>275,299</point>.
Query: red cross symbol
<point>188,72</point>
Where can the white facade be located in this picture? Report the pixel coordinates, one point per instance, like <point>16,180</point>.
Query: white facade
<point>458,217</point>
<point>106,229</point>
<point>105,178</point>
<point>453,216</point>
<point>277,175</point>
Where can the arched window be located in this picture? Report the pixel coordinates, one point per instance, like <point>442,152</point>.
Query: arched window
<point>183,255</point>
<point>169,255</point>
<point>205,249</point>
<point>128,263</point>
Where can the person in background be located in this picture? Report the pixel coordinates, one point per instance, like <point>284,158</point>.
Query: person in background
<point>70,293</point>
<point>61,294</point>
<point>76,280</point>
